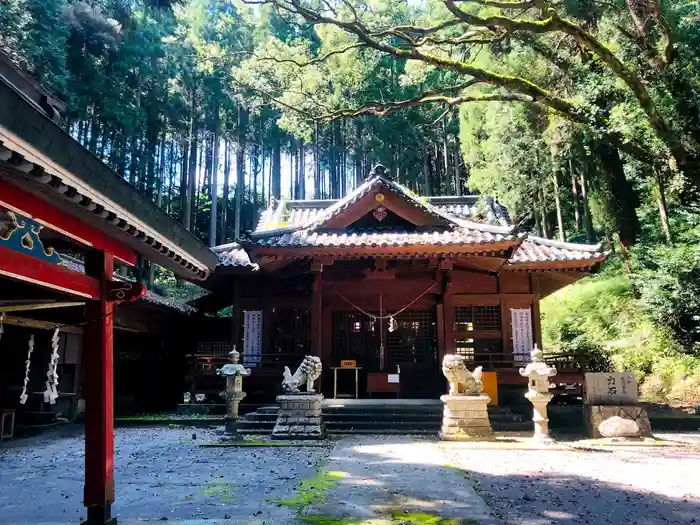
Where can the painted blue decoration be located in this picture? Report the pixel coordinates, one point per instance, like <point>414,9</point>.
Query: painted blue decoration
<point>23,236</point>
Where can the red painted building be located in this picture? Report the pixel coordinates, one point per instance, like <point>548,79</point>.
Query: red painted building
<point>393,282</point>
<point>55,196</point>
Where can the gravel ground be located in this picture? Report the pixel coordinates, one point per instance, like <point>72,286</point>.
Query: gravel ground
<point>160,473</point>
<point>164,473</point>
<point>607,485</point>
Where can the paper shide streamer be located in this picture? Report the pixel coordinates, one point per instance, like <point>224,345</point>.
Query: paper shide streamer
<point>23,396</point>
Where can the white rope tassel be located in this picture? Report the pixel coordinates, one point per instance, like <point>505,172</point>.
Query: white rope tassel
<point>51,392</point>
<point>2,319</point>
<point>23,396</point>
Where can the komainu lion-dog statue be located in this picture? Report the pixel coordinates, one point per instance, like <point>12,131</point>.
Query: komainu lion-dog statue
<point>462,382</point>
<point>309,371</point>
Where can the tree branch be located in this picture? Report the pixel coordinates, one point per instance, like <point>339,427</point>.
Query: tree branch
<point>316,60</point>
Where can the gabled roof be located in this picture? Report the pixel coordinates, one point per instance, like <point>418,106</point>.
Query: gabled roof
<point>329,224</point>
<point>449,225</point>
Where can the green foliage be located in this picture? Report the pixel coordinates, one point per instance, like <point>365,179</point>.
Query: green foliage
<point>605,318</point>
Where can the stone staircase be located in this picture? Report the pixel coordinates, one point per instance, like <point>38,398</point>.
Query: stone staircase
<point>392,419</point>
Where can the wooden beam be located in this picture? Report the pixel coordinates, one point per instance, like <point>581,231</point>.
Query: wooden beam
<point>99,394</point>
<point>39,306</point>
<point>22,267</point>
<point>25,322</point>
<point>19,201</point>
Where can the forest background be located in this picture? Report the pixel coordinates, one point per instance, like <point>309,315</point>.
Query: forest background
<point>581,116</point>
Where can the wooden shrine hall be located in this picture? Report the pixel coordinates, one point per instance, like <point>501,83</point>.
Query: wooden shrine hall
<point>55,196</point>
<point>389,282</point>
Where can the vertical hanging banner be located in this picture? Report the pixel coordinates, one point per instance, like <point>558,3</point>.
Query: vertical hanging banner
<point>252,337</point>
<point>521,320</point>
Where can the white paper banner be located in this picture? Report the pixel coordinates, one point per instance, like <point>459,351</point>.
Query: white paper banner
<point>252,337</point>
<point>521,319</point>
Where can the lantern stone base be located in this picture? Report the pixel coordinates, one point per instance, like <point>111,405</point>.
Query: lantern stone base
<point>299,417</point>
<point>465,418</point>
<point>596,414</point>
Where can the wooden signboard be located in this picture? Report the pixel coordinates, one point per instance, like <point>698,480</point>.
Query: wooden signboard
<point>490,382</point>
<point>348,363</point>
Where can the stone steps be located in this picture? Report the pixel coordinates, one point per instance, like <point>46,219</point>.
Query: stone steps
<point>385,419</point>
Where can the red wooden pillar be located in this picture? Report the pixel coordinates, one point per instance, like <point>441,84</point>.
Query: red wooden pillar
<point>99,395</point>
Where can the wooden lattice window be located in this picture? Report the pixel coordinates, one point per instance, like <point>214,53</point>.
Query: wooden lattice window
<point>290,332</point>
<point>413,340</point>
<point>214,348</point>
<point>483,352</point>
<point>476,318</point>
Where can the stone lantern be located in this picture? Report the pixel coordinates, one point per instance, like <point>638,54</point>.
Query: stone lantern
<point>234,374</point>
<point>538,374</point>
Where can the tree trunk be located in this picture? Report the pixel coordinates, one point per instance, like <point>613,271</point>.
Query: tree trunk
<point>240,172</point>
<point>161,173</point>
<point>426,175</point>
<point>184,166</point>
<point>134,162</point>
<point>276,175</point>
<point>317,165</point>
<point>445,154</point>
<point>302,170</point>
<point>557,204</point>
<point>574,192</point>
<point>458,177</point>
<point>620,197</point>
<point>660,192</point>
<point>225,203</point>
<point>358,153</point>
<point>192,172</point>
<point>214,177</point>
<point>543,211</point>
<point>587,219</point>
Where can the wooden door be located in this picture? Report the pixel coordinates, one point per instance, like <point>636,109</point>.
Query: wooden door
<point>412,348</point>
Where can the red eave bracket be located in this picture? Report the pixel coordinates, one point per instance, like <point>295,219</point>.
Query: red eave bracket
<point>16,265</point>
<point>33,207</point>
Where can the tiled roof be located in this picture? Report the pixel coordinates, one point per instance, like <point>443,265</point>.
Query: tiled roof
<point>369,239</point>
<point>536,250</point>
<point>232,255</point>
<point>77,265</point>
<point>291,214</point>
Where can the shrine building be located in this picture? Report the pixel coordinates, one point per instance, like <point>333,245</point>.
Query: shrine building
<point>387,282</point>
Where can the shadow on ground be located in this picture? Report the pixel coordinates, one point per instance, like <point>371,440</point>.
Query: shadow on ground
<point>410,482</point>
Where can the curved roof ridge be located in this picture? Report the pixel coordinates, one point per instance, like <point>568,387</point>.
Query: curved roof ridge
<point>568,245</point>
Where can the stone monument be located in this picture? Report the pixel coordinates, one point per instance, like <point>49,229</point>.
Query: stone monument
<point>299,415</point>
<point>612,409</point>
<point>234,374</point>
<point>465,414</point>
<point>538,373</point>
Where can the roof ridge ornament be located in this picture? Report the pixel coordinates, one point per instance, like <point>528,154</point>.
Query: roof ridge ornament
<point>379,171</point>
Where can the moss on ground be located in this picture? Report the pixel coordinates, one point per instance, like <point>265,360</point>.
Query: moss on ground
<point>311,491</point>
<point>418,518</point>
<point>222,491</point>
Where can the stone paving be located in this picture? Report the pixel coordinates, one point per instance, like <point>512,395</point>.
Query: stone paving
<point>372,480</point>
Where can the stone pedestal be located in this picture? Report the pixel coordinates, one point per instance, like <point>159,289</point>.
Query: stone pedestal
<point>465,418</point>
<point>539,415</point>
<point>299,417</point>
<point>596,414</point>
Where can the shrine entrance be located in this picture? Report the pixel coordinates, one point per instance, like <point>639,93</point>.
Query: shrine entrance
<point>409,347</point>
